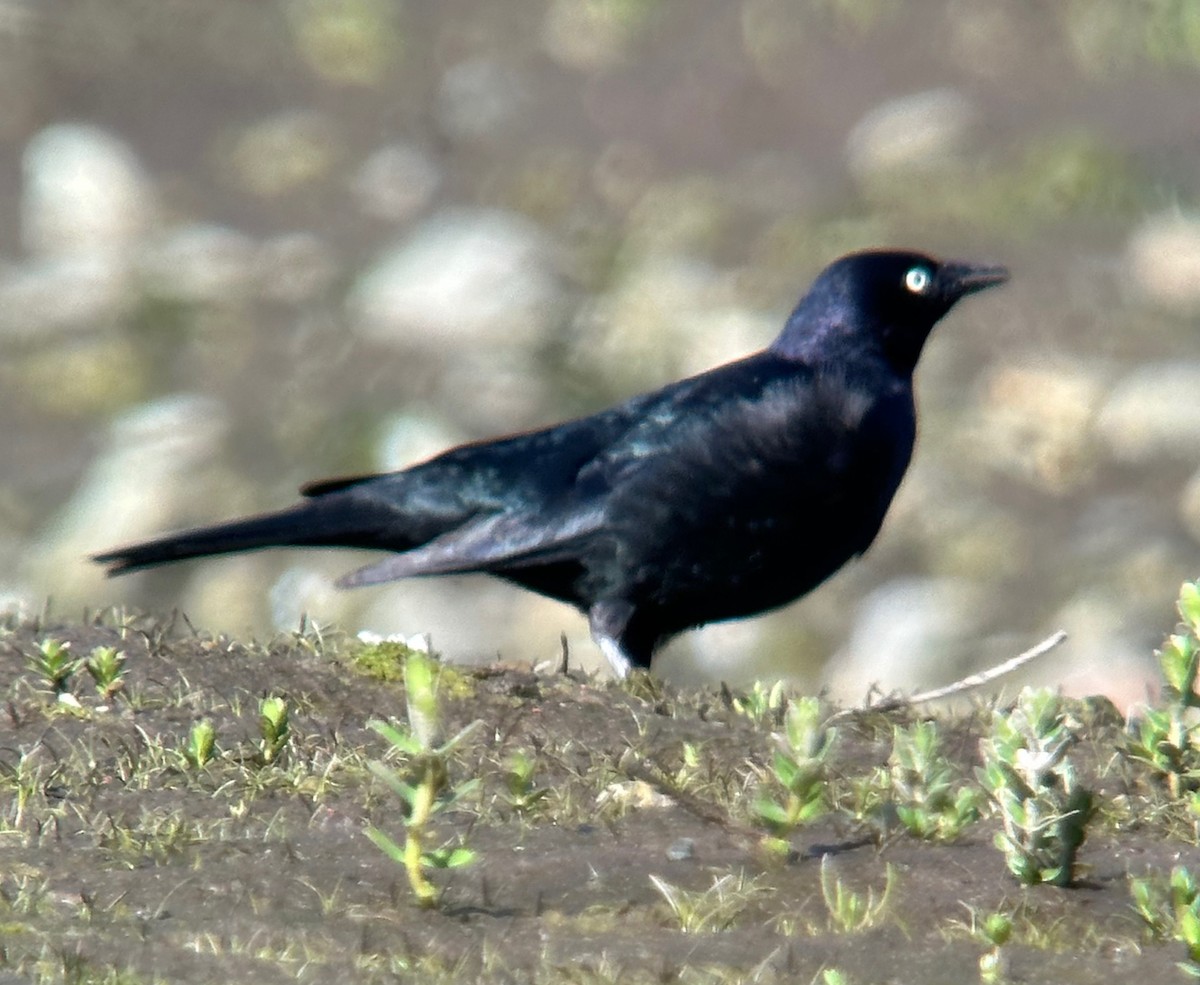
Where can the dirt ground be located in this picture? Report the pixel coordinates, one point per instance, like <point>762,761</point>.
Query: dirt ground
<point>120,862</point>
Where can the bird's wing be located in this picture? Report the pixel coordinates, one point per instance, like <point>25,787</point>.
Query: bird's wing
<point>505,504</point>
<point>490,542</point>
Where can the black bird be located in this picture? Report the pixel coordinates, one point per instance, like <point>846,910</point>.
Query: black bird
<point>722,495</point>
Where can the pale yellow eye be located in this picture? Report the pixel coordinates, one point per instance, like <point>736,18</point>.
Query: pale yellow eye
<point>918,280</point>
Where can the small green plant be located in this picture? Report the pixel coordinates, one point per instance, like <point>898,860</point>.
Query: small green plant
<point>274,729</point>
<point>201,744</point>
<point>54,664</point>
<point>1179,657</point>
<point>521,793</point>
<point>1171,910</point>
<point>761,703</point>
<point>993,930</point>
<point>713,909</point>
<point>800,768</point>
<point>106,666</point>
<point>923,786</point>
<point>424,788</point>
<point>1026,771</point>
<point>1167,739</point>
<point>850,911</point>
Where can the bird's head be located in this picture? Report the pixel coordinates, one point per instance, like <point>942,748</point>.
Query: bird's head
<point>885,300</point>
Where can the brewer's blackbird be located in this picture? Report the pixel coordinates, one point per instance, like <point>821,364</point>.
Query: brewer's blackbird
<point>722,495</point>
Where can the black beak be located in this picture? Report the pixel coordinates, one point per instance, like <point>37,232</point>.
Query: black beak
<point>961,279</point>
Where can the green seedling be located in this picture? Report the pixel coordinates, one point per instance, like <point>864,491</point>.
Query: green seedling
<point>54,664</point>
<point>713,909</point>
<point>923,786</point>
<point>761,703</point>
<point>993,930</point>
<point>106,665</point>
<point>273,727</point>
<point>201,744</point>
<point>1026,771</point>
<point>521,792</point>
<point>849,911</point>
<point>1171,910</point>
<point>1167,739</point>
<point>800,768</point>
<point>424,787</point>
<point>1169,744</point>
<point>1179,658</point>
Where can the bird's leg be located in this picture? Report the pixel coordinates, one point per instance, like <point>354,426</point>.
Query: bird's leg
<point>618,660</point>
<point>607,621</point>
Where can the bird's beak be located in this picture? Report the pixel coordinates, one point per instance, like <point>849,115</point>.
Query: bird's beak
<point>960,279</point>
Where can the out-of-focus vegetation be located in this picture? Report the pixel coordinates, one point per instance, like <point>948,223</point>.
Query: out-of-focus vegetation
<point>249,244</point>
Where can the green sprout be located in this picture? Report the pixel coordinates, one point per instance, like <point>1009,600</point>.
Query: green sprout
<point>713,909</point>
<point>800,767</point>
<point>1167,739</point>
<point>106,666</point>
<point>1026,771</point>
<point>922,782</point>
<point>1171,910</point>
<point>424,788</point>
<point>993,930</point>
<point>850,911</point>
<point>201,744</point>
<point>273,727</point>
<point>522,794</point>
<point>1179,657</point>
<point>54,663</point>
<point>761,703</point>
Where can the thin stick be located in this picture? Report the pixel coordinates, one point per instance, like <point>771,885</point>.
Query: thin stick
<point>966,683</point>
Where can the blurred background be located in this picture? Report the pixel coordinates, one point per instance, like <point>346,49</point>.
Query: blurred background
<point>244,244</point>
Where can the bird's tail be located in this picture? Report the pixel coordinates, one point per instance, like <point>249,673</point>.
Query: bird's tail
<point>320,523</point>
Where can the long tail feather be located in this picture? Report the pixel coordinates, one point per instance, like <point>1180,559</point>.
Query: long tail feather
<point>312,524</point>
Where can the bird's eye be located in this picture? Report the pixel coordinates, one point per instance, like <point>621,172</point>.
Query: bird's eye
<point>918,280</point>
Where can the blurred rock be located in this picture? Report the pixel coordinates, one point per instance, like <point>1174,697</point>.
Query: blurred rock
<point>80,292</point>
<point>295,268</point>
<point>592,36</point>
<point>200,263</point>
<point>1164,260</point>
<point>395,182</point>
<point>1099,655</point>
<point>1189,506</point>
<point>347,41</point>
<point>916,132</point>
<point>142,483</point>
<point>462,278</point>
<point>473,619</point>
<point>508,391</point>
<point>284,153</point>
<point>1036,423</point>
<point>86,378</point>
<point>226,594</point>
<point>84,192</point>
<point>639,332</point>
<point>725,333</point>
<point>412,437</point>
<point>1153,413</point>
<point>905,635</point>
<point>623,172</point>
<point>730,651</point>
<point>298,592</point>
<point>478,98</point>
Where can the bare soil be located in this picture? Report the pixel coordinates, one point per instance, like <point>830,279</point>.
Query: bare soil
<point>121,863</point>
